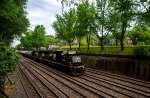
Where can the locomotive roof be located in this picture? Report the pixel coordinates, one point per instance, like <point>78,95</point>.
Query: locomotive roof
<point>54,51</point>
<point>47,51</point>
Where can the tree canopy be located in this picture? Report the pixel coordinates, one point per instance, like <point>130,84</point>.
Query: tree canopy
<point>65,26</point>
<point>117,17</point>
<point>35,39</point>
<point>13,21</point>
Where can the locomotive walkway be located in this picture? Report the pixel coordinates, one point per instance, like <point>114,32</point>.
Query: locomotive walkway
<point>40,81</point>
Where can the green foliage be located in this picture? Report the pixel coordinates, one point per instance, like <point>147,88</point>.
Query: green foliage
<point>27,40</point>
<point>125,10</point>
<point>115,16</point>
<point>83,42</point>
<point>9,59</point>
<point>140,52</point>
<point>86,20</point>
<point>47,40</point>
<point>35,39</point>
<point>39,36</point>
<point>13,21</point>
<point>108,49</point>
<point>65,26</point>
<point>140,34</point>
<point>144,12</point>
<point>141,43</point>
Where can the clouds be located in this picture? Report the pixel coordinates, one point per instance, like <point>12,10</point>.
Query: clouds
<point>42,12</point>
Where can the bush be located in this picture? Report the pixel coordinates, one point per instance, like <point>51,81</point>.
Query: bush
<point>141,43</point>
<point>9,60</point>
<point>140,52</point>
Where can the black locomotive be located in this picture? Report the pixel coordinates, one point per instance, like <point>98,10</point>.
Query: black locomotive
<point>67,61</point>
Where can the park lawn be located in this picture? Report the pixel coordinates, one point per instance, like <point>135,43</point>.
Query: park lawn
<point>128,50</point>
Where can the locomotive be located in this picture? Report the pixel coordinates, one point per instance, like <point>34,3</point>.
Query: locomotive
<point>67,61</point>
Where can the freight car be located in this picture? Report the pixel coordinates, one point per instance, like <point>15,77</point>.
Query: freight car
<point>67,61</point>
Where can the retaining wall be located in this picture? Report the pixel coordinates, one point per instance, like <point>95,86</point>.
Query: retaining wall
<point>127,66</point>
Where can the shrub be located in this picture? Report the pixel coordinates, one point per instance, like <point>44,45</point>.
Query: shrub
<point>140,52</point>
<point>9,59</point>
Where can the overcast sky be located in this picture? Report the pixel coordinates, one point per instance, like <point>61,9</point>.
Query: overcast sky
<point>42,12</point>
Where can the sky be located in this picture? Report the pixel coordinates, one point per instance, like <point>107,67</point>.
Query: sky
<point>43,12</point>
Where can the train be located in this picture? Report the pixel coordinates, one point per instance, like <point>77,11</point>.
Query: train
<point>67,61</point>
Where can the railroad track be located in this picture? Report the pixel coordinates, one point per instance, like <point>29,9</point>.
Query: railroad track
<point>134,85</point>
<point>117,86</point>
<point>28,86</point>
<point>40,86</point>
<point>66,90</point>
<point>120,77</point>
<point>83,90</point>
<point>100,86</point>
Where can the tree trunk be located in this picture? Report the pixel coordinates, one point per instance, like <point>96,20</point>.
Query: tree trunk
<point>122,35</point>
<point>79,43</point>
<point>134,42</point>
<point>101,43</point>
<point>88,41</point>
<point>122,44</point>
<point>70,45</point>
<point>116,42</point>
<point>102,47</point>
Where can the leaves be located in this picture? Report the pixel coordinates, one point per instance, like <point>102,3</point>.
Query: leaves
<point>13,21</point>
<point>65,26</point>
<point>108,16</point>
<point>9,59</point>
<point>34,39</point>
<point>140,34</point>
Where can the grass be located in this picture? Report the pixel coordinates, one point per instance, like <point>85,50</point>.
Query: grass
<point>128,50</point>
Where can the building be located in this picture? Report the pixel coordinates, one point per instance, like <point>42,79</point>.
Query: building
<point>55,45</point>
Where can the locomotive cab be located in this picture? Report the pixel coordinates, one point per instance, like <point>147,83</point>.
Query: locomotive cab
<point>74,61</point>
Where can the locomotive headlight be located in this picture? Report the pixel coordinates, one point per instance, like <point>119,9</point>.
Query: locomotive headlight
<point>76,59</point>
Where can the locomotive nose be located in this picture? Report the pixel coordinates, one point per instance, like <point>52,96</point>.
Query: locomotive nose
<point>78,71</point>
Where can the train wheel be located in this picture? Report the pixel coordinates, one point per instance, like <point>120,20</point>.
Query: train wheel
<point>78,71</point>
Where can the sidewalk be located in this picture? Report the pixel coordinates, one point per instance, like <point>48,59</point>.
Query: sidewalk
<point>16,90</point>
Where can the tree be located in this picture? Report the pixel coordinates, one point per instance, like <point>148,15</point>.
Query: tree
<point>139,34</point>
<point>144,12</point>
<point>34,39</point>
<point>39,36</point>
<point>49,39</point>
<point>125,10</point>
<point>114,25</point>
<point>9,60</point>
<point>102,11</point>
<point>27,40</point>
<point>108,39</point>
<point>91,27</point>
<point>83,21</point>
<point>13,21</point>
<point>65,26</point>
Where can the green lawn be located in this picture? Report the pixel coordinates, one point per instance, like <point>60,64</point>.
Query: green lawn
<point>128,50</point>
